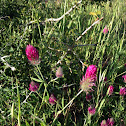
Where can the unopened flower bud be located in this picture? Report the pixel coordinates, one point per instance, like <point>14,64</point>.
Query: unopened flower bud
<point>52,99</point>
<point>88,97</point>
<point>105,30</point>
<point>91,110</point>
<point>122,91</point>
<point>59,72</point>
<point>110,90</point>
<point>110,121</point>
<point>124,77</point>
<point>104,123</point>
<point>33,86</point>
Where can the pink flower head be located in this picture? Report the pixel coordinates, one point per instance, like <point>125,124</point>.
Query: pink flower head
<point>104,123</point>
<point>88,97</point>
<point>86,85</point>
<point>33,86</point>
<point>105,30</point>
<point>110,90</point>
<point>59,72</point>
<point>91,110</point>
<point>91,73</point>
<point>122,91</point>
<point>110,122</point>
<point>32,54</point>
<point>124,77</point>
<point>52,99</point>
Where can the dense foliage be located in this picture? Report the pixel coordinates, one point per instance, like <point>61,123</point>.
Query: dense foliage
<point>34,93</point>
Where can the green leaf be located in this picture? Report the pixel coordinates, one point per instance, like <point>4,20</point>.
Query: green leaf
<point>27,124</point>
<point>102,102</point>
<point>37,80</point>
<point>69,25</point>
<point>43,124</point>
<point>12,111</point>
<point>59,124</point>
<point>37,75</point>
<point>102,76</point>
<point>46,98</point>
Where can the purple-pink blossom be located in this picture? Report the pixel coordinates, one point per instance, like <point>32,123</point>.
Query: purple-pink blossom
<point>104,123</point>
<point>59,72</point>
<point>110,90</point>
<point>124,77</point>
<point>110,121</point>
<point>105,30</point>
<point>33,86</point>
<point>91,110</point>
<point>122,91</point>
<point>88,81</point>
<point>88,97</point>
<point>32,54</point>
<point>91,73</point>
<point>52,99</point>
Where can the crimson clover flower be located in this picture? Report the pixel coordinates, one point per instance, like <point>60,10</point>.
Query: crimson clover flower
<point>104,123</point>
<point>91,73</point>
<point>88,81</point>
<point>105,30</point>
<point>124,77</point>
<point>110,121</point>
<point>33,86</point>
<point>52,99</point>
<point>91,110</point>
<point>110,90</point>
<point>32,55</point>
<point>122,91</point>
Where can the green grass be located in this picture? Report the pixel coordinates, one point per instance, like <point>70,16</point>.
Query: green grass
<point>24,22</point>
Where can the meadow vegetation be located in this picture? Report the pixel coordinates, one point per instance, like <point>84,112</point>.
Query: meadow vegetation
<point>62,62</point>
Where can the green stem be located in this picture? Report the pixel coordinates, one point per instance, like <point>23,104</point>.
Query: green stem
<point>40,73</point>
<point>19,107</point>
<point>53,80</point>
<point>39,95</point>
<point>89,119</point>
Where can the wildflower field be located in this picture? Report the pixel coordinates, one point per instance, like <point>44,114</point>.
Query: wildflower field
<point>62,62</point>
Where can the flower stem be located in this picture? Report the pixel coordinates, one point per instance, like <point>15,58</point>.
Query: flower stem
<point>39,95</point>
<point>19,107</point>
<point>40,72</point>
